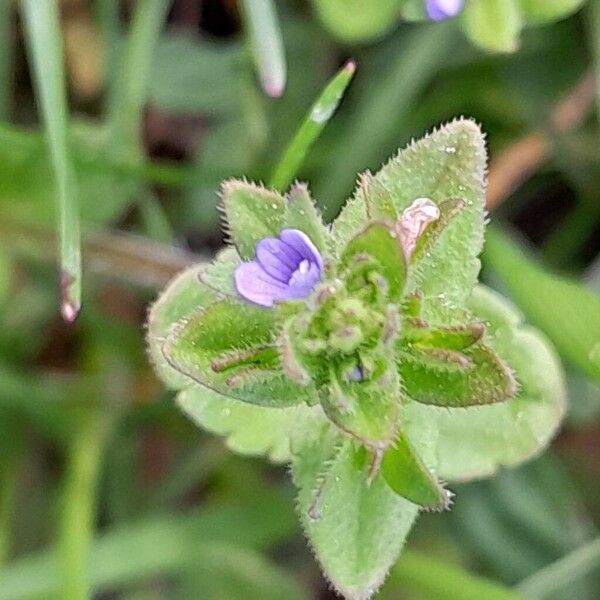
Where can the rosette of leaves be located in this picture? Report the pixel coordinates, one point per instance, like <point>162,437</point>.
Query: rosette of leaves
<point>494,25</point>
<point>397,374</point>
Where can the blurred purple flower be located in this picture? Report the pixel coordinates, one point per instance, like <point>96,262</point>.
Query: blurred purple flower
<point>437,10</point>
<point>286,268</point>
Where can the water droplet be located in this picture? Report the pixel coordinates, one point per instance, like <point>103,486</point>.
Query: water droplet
<point>321,113</point>
<point>450,150</point>
<point>273,206</point>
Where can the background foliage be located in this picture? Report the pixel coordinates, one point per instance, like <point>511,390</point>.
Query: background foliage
<point>164,104</point>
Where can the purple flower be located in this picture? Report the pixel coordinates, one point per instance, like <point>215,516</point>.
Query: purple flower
<point>438,10</point>
<point>286,268</point>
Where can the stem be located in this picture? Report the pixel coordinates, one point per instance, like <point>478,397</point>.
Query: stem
<point>78,507</point>
<point>44,39</point>
<point>559,574</point>
<point>312,126</point>
<point>262,24</point>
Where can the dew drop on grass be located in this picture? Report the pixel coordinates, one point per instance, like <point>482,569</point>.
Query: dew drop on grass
<point>320,113</point>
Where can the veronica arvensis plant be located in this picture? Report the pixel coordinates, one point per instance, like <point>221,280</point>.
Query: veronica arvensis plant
<point>363,353</point>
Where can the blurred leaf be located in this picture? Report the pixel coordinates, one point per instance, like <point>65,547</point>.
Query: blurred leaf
<point>493,24</point>
<point>433,579</point>
<point>163,544</point>
<point>568,313</point>
<point>563,572</point>
<point>449,163</point>
<point>355,21</point>
<point>544,11</point>
<point>196,76</point>
<point>225,572</point>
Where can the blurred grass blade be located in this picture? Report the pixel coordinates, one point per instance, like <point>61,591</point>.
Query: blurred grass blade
<point>266,42</point>
<point>158,545</point>
<point>128,101</point>
<point>372,130</point>
<point>310,129</point>
<point>6,59</point>
<point>44,40</point>
<point>78,505</point>
<point>568,313</point>
<point>563,572</point>
<point>428,578</point>
<point>593,25</point>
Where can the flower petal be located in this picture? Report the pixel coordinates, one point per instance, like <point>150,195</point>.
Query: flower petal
<point>438,10</point>
<point>300,242</point>
<point>303,282</point>
<point>255,285</point>
<point>277,258</point>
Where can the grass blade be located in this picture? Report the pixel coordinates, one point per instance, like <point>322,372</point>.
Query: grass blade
<point>264,33</point>
<point>44,40</point>
<point>312,126</point>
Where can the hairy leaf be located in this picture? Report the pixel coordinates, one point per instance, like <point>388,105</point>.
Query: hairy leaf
<point>380,241</point>
<point>367,410</point>
<point>406,474</point>
<point>476,441</point>
<point>448,163</point>
<point>229,347</point>
<point>182,296</point>
<point>301,213</point>
<point>251,213</point>
<point>218,275</point>
<point>252,430</point>
<point>355,528</point>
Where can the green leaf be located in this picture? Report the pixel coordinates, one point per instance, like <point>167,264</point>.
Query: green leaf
<point>449,163</point>
<point>252,213</point>
<point>181,297</point>
<point>229,347</point>
<point>493,24</point>
<point>249,429</point>
<point>565,311</point>
<point>546,11</point>
<point>476,441</point>
<point>219,274</point>
<point>355,527</point>
<point>357,20</point>
<point>367,410</point>
<point>301,213</point>
<point>380,241</point>
<point>452,378</point>
<point>406,474</point>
